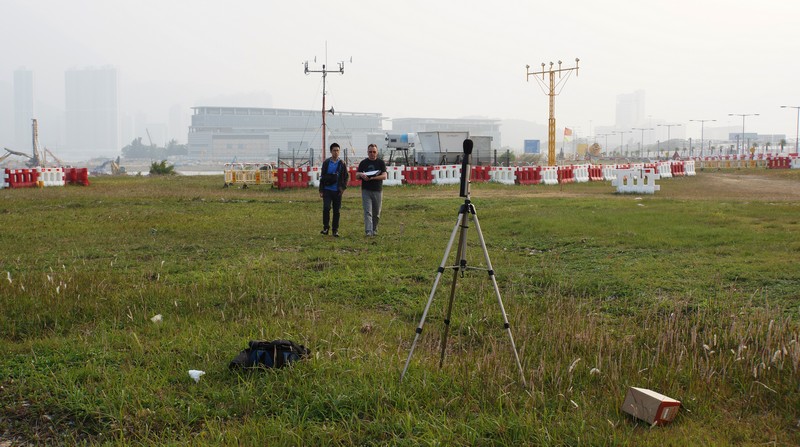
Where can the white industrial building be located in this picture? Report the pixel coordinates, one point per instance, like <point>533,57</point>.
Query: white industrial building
<point>225,134</point>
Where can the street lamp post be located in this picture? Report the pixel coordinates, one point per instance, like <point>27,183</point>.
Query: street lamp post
<point>605,148</point>
<point>641,143</point>
<point>702,125</point>
<point>797,129</point>
<point>621,136</point>
<point>669,127</point>
<point>743,115</point>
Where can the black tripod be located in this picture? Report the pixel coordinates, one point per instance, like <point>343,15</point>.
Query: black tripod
<point>463,224</point>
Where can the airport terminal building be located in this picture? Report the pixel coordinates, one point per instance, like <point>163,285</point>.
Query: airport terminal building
<point>475,126</point>
<point>244,134</point>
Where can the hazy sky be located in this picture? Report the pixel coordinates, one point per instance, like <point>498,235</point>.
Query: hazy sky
<point>699,59</point>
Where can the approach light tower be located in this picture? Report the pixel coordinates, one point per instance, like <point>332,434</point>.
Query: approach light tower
<point>551,123</point>
<point>325,72</point>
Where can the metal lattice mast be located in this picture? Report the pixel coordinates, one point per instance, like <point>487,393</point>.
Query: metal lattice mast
<point>551,122</point>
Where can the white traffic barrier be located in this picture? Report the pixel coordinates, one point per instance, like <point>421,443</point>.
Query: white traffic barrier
<point>550,175</point>
<point>446,174</point>
<point>581,173</point>
<point>688,168</point>
<point>609,172</point>
<point>636,181</point>
<point>665,169</point>
<point>502,174</point>
<point>795,163</point>
<point>313,176</point>
<point>51,176</point>
<point>394,175</point>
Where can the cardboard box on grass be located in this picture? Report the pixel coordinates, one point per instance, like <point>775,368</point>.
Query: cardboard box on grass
<point>650,406</point>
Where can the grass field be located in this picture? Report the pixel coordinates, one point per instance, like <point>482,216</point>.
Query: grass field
<point>693,292</point>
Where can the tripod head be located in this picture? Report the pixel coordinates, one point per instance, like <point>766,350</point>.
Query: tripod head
<point>465,169</point>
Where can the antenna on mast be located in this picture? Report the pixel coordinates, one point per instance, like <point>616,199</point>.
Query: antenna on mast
<point>325,72</point>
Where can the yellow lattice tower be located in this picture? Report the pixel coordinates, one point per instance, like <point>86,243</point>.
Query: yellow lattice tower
<point>551,122</point>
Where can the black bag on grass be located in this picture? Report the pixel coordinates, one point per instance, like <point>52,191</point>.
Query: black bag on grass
<point>269,354</point>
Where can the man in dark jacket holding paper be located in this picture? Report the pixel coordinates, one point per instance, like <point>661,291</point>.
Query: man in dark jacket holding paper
<point>372,173</point>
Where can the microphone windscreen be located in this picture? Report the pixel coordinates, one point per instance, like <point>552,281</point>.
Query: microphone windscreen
<point>467,146</point>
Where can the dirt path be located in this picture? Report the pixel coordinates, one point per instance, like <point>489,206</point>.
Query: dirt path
<point>756,184</point>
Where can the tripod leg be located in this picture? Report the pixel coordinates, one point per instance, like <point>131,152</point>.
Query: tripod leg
<point>461,256</point>
<point>461,217</point>
<point>506,325</point>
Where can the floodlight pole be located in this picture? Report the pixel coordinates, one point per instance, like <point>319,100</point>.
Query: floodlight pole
<point>324,72</point>
<point>551,122</point>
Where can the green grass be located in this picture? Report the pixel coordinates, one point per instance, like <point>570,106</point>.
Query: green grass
<point>692,292</point>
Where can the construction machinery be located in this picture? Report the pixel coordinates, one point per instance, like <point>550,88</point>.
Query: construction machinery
<point>34,160</point>
<point>111,167</point>
<point>53,156</point>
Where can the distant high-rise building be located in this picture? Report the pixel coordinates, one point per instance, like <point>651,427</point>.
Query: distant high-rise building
<point>23,108</point>
<point>92,113</point>
<point>630,110</point>
<point>6,113</point>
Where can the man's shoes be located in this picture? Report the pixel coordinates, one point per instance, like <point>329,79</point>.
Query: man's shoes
<point>324,231</point>
<point>335,233</point>
<point>370,234</point>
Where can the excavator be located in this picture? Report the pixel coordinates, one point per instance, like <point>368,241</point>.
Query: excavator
<point>112,165</point>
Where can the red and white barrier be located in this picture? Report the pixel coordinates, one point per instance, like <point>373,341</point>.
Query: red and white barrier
<point>503,175</point>
<point>446,174</point>
<point>665,169</point>
<point>418,175</point>
<point>636,181</point>
<point>51,177</point>
<point>550,175</point>
<point>20,178</point>
<point>581,173</point>
<point>394,175</point>
<point>688,167</point>
<point>609,172</point>
<point>529,175</point>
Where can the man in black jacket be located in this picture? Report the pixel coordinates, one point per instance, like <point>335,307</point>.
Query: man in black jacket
<point>333,182</point>
<point>372,173</point>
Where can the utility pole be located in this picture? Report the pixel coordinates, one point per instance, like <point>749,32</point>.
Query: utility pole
<point>551,122</point>
<point>325,72</point>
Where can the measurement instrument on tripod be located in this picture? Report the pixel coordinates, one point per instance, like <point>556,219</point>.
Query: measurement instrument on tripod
<point>462,223</point>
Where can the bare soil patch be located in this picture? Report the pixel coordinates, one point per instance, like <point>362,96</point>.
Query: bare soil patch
<point>749,184</point>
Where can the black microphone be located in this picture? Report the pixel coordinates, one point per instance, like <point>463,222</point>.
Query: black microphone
<point>465,168</point>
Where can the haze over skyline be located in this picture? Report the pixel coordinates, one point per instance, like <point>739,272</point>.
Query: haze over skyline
<point>439,59</point>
